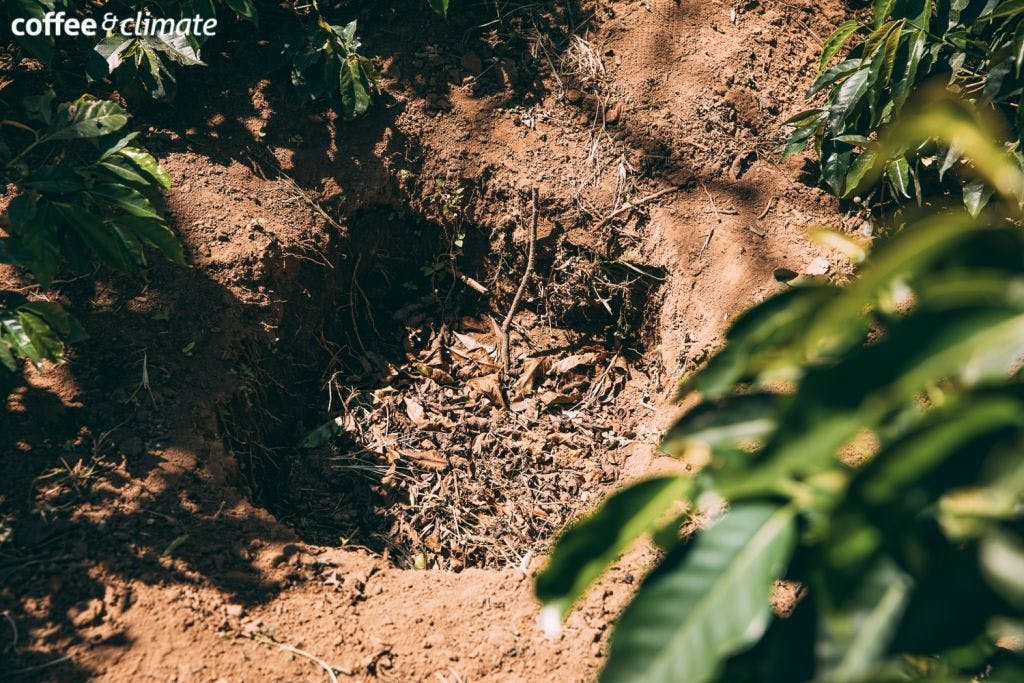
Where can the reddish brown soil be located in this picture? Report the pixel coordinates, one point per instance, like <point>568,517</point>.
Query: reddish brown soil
<point>152,538</point>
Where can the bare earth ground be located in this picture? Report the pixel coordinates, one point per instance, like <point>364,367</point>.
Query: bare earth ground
<point>162,525</point>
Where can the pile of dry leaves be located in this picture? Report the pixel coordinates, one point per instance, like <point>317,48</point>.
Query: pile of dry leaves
<point>479,471</point>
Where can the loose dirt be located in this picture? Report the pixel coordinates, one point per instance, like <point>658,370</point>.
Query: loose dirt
<point>160,519</point>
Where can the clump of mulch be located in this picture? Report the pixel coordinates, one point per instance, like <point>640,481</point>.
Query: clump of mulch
<point>477,469</point>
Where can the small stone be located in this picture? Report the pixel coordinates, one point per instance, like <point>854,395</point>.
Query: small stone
<point>234,610</point>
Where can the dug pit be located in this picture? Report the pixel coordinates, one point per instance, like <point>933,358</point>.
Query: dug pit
<point>378,415</point>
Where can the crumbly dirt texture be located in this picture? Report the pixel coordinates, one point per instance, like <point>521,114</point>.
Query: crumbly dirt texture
<point>349,281</point>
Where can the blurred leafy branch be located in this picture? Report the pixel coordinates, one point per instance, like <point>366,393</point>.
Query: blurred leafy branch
<point>867,439</point>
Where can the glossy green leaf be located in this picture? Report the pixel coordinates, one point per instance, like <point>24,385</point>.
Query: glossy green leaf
<point>1007,8</point>
<point>898,172</point>
<point>976,196</point>
<point>835,42</point>
<point>98,236</point>
<point>87,117</point>
<point>758,340</point>
<point>154,233</point>
<point>706,601</point>
<point>592,544</point>
<point>880,10</point>
<point>146,163</point>
<point>126,199</point>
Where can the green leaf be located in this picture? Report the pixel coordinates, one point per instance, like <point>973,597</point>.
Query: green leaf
<point>1007,8</point>
<point>1018,49</point>
<point>846,99</point>
<point>835,42</point>
<point>892,45</point>
<point>87,117</point>
<point>834,75</point>
<point>707,600</point>
<point>735,423</point>
<point>354,87</point>
<point>146,163</point>
<point>98,236</point>
<point>125,198</point>
<point>56,318</point>
<point>855,633</point>
<point>898,172</point>
<point>858,170</point>
<point>439,6</point>
<point>976,195</point>
<point>758,341</point>
<point>971,347</point>
<point>936,439</point>
<point>595,542</point>
<point>176,47</point>
<point>1001,555</point>
<point>155,234</point>
<point>39,47</point>
<point>880,10</point>
<point>830,330</point>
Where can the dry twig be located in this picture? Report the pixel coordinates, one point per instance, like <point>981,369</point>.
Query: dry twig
<point>328,668</point>
<point>718,217</point>
<point>633,205</point>
<point>505,350</point>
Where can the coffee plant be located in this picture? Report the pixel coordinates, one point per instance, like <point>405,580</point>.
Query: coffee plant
<point>976,46</point>
<point>868,441</point>
<point>81,187</point>
<point>322,58</point>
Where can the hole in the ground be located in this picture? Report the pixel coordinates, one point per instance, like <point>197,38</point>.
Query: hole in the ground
<point>378,418</point>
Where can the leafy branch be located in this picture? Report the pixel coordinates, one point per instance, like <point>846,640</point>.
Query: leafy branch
<point>867,439</point>
<point>82,186</point>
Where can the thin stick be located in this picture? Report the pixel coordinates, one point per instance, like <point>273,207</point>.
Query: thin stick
<point>767,208</point>
<point>47,665</point>
<point>718,216</point>
<point>632,205</point>
<point>505,350</point>
<point>468,281</point>
<point>328,669</point>
<point>14,628</point>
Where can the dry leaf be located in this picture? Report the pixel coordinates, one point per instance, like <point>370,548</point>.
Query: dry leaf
<point>572,362</point>
<point>489,386</point>
<point>531,369</point>
<point>429,459</point>
<point>553,398</point>
<point>436,374</point>
<point>471,343</point>
<point>415,412</point>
